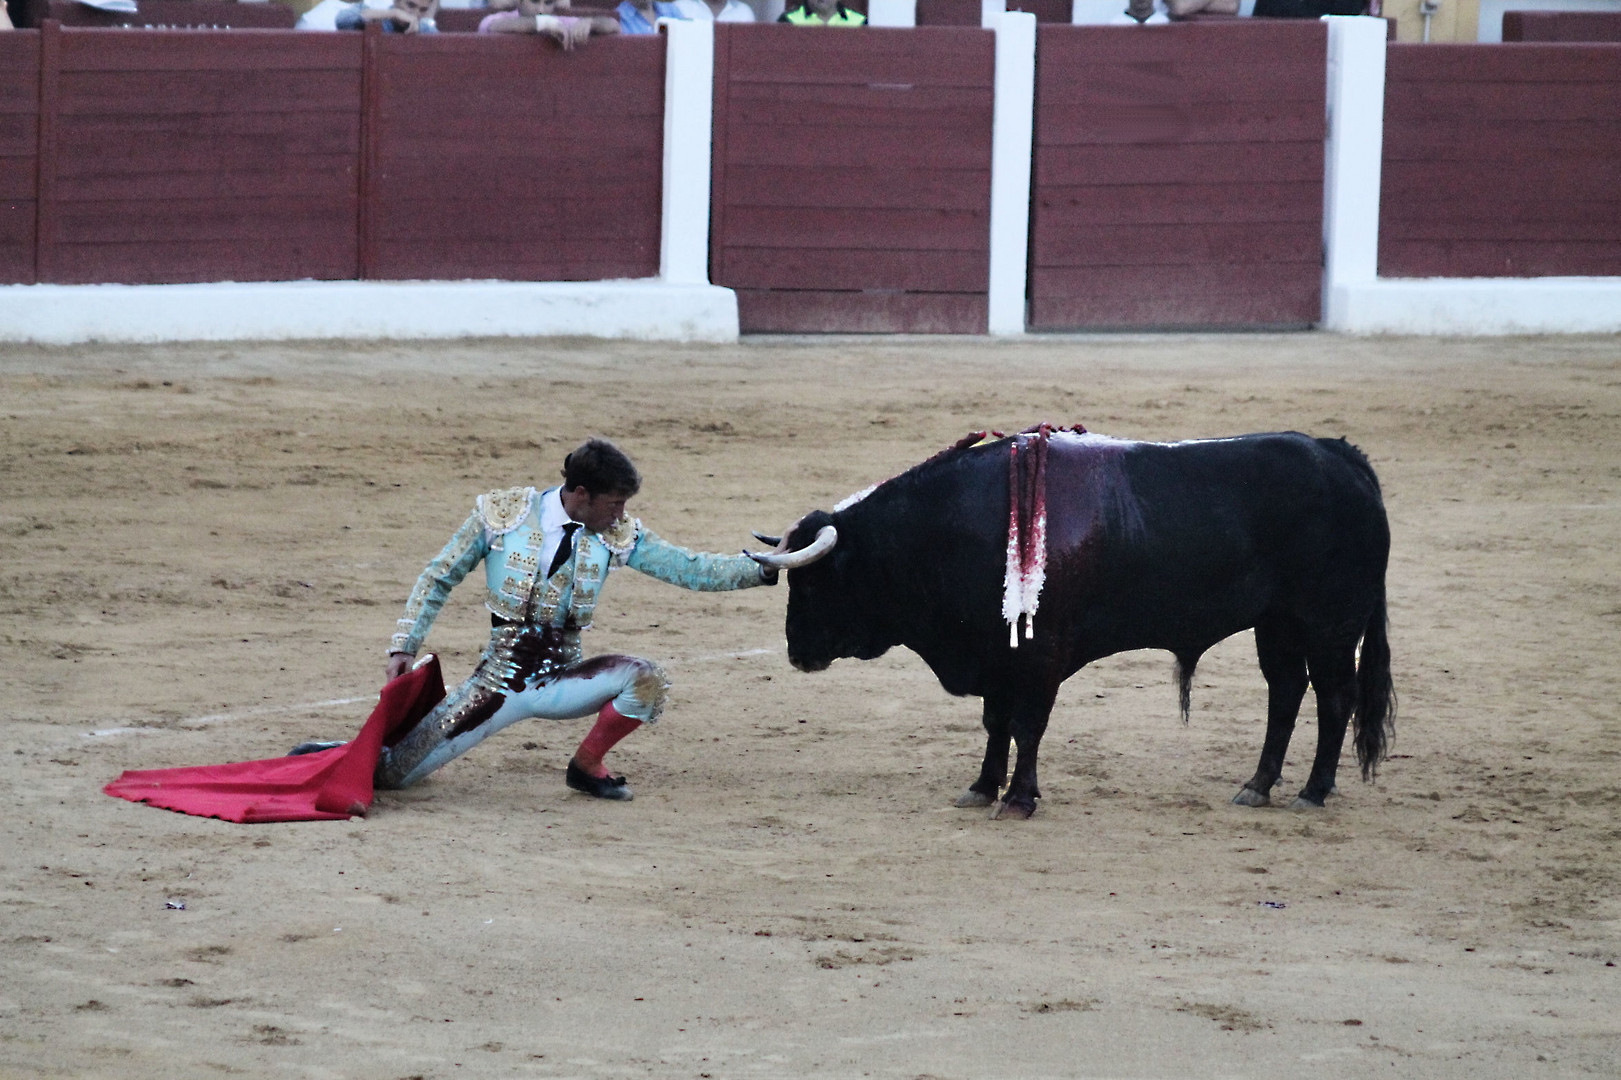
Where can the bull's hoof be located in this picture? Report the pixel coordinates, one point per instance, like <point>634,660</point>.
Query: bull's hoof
<point>971,799</point>
<point>1302,803</point>
<point>1248,796</point>
<point>1010,811</point>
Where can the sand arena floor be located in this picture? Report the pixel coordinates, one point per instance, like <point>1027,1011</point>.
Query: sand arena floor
<point>206,548</point>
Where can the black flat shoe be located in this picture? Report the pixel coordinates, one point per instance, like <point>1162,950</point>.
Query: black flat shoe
<point>606,787</point>
<point>313,748</point>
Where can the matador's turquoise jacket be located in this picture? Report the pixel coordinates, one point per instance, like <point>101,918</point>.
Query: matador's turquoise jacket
<point>504,531</point>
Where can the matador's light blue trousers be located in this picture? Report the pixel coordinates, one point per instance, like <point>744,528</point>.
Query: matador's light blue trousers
<point>635,687</point>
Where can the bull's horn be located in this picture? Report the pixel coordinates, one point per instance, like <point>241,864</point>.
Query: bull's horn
<point>792,560</point>
<point>774,541</point>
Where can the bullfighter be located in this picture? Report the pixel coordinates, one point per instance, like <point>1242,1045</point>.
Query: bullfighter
<point>546,555</point>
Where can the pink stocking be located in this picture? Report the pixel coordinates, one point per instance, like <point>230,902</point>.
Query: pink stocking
<point>608,730</point>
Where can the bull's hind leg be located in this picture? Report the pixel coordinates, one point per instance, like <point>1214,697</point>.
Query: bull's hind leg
<point>1284,665</point>
<point>993,770</point>
<point>1333,676</point>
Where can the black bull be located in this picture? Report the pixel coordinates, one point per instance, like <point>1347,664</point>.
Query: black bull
<point>1149,546</point>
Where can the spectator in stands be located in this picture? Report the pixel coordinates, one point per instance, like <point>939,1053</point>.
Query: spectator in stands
<point>1181,9</point>
<point>715,10</point>
<point>541,17</point>
<point>822,13</point>
<point>405,17</point>
<point>1308,9</point>
<point>642,16</point>
<point>1142,12</point>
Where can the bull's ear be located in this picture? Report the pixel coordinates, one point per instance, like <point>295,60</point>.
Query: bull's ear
<point>774,541</point>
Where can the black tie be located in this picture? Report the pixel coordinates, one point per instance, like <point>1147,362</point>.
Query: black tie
<point>565,548</point>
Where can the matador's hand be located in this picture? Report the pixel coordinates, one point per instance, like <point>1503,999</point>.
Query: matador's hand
<point>399,663</point>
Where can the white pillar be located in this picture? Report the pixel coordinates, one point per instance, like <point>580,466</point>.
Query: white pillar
<point>989,12</point>
<point>1352,157</point>
<point>891,12</point>
<point>689,103</point>
<point>1012,144</point>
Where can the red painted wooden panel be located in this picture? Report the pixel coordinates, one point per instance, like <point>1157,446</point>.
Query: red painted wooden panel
<point>848,228</point>
<point>923,57</point>
<point>948,12</point>
<point>852,178</point>
<point>824,268</point>
<point>19,154</point>
<point>1445,140</point>
<point>587,259</point>
<point>281,92</point>
<point>1562,26</point>
<point>201,156</point>
<point>1526,63</point>
<point>546,221</point>
<point>1176,245</point>
<point>18,175</point>
<point>783,312</point>
<point>193,51</point>
<point>162,261</point>
<point>191,220</point>
<point>1439,220</point>
<point>1197,80</point>
<point>1509,102</point>
<point>860,187</point>
<point>1258,42</point>
<point>1162,165</point>
<point>1288,120</point>
<point>1150,297</point>
<point>1045,11</point>
<point>1493,185</point>
<point>826,102</point>
<point>1502,160</point>
<point>853,146</point>
<point>1146,204</point>
<point>1178,175</point>
<point>910,111</point>
<point>504,157</point>
<point>1504,258</point>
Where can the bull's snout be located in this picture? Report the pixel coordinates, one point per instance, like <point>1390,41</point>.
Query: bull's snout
<point>805,663</point>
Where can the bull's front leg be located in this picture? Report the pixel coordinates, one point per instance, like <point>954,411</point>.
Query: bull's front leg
<point>998,718</point>
<point>1030,712</point>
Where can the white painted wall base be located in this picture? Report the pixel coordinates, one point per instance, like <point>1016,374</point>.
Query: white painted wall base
<point>1476,306</point>
<point>645,310</point>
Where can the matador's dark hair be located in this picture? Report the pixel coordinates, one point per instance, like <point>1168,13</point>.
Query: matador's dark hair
<point>602,469</point>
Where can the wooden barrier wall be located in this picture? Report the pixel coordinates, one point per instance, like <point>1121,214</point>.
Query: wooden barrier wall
<point>19,155</point>
<point>494,158</point>
<point>852,177</point>
<point>1501,161</point>
<point>969,12</point>
<point>1178,175</point>
<point>259,155</point>
<point>198,156</point>
<point>1585,26</point>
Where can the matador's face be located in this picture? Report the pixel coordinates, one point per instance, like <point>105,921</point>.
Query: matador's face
<point>595,512</point>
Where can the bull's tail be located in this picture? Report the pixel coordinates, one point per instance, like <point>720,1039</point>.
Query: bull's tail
<point>1185,663</point>
<point>1373,722</point>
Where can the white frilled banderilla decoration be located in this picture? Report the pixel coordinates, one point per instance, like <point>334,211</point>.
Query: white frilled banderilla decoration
<point>1027,529</point>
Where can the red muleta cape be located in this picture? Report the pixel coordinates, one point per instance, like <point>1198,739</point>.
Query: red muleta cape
<point>325,786</point>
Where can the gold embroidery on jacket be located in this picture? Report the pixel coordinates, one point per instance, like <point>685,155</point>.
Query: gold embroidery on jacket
<point>503,511</point>
<point>620,537</point>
